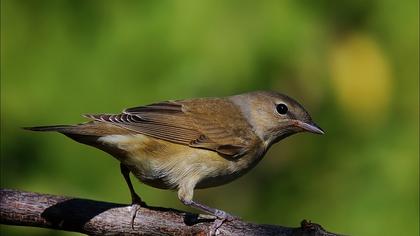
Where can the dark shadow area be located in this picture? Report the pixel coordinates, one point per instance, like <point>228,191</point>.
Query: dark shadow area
<point>191,219</point>
<point>74,213</point>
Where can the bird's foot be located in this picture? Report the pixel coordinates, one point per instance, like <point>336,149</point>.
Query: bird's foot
<point>221,217</point>
<point>136,204</point>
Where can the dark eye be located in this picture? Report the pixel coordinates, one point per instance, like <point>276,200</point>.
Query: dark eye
<point>281,109</point>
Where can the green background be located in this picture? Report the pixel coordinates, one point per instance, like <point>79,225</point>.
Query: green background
<point>352,64</point>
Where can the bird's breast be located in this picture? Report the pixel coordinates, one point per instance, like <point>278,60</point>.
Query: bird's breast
<point>167,165</point>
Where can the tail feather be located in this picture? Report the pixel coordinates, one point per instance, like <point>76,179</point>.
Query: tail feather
<point>58,128</point>
<point>91,128</point>
<point>75,132</point>
<point>86,133</point>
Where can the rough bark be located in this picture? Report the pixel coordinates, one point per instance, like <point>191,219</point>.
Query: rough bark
<point>104,218</point>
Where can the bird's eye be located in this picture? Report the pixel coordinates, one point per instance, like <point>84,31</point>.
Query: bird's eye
<point>281,109</point>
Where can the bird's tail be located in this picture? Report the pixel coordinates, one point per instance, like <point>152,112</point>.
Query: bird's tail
<point>82,133</point>
<point>58,128</point>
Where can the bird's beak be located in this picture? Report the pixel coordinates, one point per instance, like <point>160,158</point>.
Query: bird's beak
<point>310,127</point>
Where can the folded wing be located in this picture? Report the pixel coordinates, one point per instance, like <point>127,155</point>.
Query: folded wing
<point>213,124</point>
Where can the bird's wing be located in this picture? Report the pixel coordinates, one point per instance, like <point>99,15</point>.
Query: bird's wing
<point>213,124</point>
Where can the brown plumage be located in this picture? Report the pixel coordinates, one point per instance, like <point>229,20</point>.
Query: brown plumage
<point>193,143</point>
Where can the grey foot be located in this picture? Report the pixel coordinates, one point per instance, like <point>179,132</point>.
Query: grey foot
<point>222,217</point>
<point>136,204</point>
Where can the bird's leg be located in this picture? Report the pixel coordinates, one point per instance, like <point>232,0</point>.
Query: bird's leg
<point>222,216</point>
<point>136,201</point>
<point>216,212</point>
<point>186,195</point>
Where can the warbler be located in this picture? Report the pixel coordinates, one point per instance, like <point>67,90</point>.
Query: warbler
<point>191,144</point>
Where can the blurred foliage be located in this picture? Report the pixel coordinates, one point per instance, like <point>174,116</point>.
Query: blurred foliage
<point>353,64</point>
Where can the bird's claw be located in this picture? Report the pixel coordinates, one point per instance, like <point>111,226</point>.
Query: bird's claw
<point>221,217</point>
<point>136,204</point>
<point>134,208</point>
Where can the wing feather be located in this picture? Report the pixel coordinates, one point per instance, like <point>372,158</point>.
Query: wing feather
<point>200,123</point>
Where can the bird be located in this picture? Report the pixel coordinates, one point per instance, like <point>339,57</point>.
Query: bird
<point>194,143</point>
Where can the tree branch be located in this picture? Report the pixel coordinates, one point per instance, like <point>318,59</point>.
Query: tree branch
<point>104,218</point>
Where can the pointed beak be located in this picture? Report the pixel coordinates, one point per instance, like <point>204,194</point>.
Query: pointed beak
<point>310,127</point>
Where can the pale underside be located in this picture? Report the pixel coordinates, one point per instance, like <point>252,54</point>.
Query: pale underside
<point>167,165</point>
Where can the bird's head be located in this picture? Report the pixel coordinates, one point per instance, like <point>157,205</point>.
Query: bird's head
<point>275,116</point>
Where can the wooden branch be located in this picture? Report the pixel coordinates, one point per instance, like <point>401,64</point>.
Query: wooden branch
<point>104,218</point>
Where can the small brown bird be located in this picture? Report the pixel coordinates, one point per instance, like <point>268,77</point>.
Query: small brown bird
<point>192,143</point>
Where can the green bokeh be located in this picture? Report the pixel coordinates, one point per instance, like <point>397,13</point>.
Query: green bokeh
<point>60,59</point>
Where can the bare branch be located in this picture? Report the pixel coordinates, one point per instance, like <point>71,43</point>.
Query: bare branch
<point>103,218</point>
